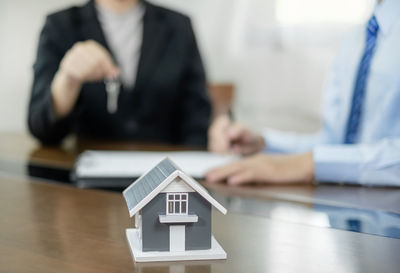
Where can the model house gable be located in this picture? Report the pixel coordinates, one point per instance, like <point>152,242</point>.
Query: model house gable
<point>178,185</point>
<point>165,177</point>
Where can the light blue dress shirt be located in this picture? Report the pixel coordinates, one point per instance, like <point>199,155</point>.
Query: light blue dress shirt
<point>375,157</point>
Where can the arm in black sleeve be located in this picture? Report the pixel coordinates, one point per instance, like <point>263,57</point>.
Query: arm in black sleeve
<point>42,121</point>
<point>196,104</point>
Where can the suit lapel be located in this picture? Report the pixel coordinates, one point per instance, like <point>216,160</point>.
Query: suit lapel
<point>155,35</point>
<point>90,27</point>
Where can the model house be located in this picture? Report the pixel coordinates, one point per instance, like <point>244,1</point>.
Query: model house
<point>172,216</point>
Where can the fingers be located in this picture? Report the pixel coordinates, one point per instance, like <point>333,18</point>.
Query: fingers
<point>218,141</point>
<point>234,174</point>
<point>237,138</point>
<point>254,169</point>
<point>254,145</point>
<point>266,169</point>
<point>236,132</point>
<point>244,141</point>
<point>70,65</point>
<point>102,59</point>
<point>238,147</point>
<point>241,177</point>
<point>222,173</point>
<point>218,144</point>
<point>224,136</point>
<point>89,61</point>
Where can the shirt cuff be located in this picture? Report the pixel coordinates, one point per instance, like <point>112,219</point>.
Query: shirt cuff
<point>289,142</point>
<point>276,141</point>
<point>337,163</point>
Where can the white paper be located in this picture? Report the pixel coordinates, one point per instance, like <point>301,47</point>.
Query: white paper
<point>124,164</point>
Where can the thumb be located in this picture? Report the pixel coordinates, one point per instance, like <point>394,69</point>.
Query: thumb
<point>235,132</point>
<point>115,71</point>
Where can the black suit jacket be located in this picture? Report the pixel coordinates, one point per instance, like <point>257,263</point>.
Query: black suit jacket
<point>168,103</point>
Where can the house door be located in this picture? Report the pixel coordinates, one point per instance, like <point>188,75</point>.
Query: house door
<point>176,238</point>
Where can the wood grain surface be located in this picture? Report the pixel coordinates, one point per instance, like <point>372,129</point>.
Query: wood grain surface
<point>56,228</point>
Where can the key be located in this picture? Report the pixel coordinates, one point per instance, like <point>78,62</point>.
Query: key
<point>112,88</point>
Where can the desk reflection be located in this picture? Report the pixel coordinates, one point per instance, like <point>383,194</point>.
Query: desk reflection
<point>175,267</point>
<point>324,211</point>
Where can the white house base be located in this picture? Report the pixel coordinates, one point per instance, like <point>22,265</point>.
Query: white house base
<point>215,253</point>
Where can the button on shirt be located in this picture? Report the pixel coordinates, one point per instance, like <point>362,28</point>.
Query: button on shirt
<point>375,156</point>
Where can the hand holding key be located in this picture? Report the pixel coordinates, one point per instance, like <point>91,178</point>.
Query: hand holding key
<point>86,61</point>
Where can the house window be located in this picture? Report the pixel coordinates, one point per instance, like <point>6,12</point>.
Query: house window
<point>177,203</point>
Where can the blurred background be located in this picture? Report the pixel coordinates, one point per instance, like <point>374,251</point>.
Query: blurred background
<point>275,52</point>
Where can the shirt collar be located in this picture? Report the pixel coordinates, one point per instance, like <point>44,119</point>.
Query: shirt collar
<point>386,14</point>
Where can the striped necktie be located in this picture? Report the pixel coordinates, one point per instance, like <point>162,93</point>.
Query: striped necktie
<point>361,82</point>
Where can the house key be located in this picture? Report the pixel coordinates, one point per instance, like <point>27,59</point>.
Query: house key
<point>112,89</point>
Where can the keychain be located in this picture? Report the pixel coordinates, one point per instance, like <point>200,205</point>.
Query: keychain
<point>112,89</point>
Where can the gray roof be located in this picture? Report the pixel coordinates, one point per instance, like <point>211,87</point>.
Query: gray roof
<point>148,182</point>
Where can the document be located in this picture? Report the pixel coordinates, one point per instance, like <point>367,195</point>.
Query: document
<point>128,164</point>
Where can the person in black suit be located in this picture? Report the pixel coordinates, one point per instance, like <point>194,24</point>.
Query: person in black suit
<point>166,99</point>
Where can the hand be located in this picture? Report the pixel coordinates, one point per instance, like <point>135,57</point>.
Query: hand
<point>243,141</point>
<point>224,136</point>
<point>260,168</point>
<point>218,141</point>
<point>85,62</point>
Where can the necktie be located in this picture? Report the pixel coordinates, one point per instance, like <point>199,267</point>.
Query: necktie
<point>361,81</point>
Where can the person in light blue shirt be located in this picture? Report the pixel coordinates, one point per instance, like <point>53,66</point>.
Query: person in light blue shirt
<point>360,138</point>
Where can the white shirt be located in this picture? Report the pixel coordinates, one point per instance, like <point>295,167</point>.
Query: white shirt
<point>124,35</point>
<point>375,158</point>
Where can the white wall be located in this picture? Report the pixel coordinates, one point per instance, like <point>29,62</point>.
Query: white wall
<point>20,24</point>
<point>277,53</point>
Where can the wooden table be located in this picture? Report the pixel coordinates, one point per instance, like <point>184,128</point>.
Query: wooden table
<point>56,228</point>
<point>47,227</point>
